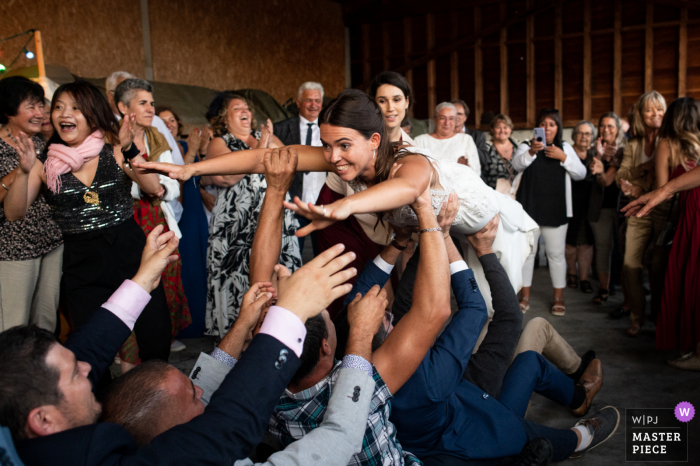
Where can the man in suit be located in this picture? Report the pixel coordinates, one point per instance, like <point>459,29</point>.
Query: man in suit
<point>46,394</point>
<point>303,129</point>
<point>458,406</point>
<point>478,137</point>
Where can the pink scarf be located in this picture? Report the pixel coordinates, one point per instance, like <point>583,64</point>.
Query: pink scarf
<point>63,159</point>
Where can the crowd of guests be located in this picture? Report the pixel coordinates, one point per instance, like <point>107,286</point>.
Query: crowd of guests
<point>138,235</point>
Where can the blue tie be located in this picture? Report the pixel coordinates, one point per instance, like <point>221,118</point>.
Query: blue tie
<point>308,134</point>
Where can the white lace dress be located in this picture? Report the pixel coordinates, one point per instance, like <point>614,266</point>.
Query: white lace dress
<point>479,203</point>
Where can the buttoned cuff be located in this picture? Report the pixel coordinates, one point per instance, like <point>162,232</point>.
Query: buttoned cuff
<point>128,302</point>
<point>383,265</point>
<point>224,357</point>
<point>458,267</point>
<point>286,327</point>
<point>353,361</point>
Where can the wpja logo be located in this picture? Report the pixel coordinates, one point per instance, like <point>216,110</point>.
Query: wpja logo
<point>653,434</point>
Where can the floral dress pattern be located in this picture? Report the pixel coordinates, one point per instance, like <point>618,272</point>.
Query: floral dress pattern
<point>231,232</point>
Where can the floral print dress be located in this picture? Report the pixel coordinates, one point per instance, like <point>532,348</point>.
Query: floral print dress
<point>231,232</point>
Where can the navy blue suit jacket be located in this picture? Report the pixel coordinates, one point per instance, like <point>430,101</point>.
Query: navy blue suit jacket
<point>289,133</point>
<point>229,429</point>
<point>437,411</point>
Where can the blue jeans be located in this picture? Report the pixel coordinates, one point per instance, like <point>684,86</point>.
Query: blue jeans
<point>531,372</point>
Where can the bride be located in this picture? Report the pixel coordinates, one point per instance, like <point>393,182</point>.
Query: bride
<point>357,148</point>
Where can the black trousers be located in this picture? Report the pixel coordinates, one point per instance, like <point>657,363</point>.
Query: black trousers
<point>95,264</point>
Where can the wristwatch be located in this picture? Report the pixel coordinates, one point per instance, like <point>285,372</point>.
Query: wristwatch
<point>395,244</point>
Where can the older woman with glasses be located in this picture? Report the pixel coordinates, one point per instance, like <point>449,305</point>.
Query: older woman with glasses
<point>579,237</point>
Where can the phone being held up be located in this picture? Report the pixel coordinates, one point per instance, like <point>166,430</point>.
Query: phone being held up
<point>539,136</point>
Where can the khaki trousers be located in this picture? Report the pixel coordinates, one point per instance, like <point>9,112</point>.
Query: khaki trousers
<point>641,234</point>
<point>539,336</point>
<point>29,291</point>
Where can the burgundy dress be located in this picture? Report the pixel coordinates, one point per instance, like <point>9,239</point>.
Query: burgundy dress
<point>678,324</point>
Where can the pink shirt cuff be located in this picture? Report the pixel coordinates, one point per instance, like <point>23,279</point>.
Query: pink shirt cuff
<point>128,302</point>
<point>286,327</point>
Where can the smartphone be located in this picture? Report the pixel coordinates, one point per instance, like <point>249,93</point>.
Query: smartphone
<point>539,136</point>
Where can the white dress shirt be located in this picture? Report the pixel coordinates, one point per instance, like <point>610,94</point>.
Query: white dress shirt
<point>313,181</point>
<point>452,148</point>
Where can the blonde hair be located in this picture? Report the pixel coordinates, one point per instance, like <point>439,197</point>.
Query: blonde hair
<point>680,130</point>
<point>648,98</point>
<point>501,117</point>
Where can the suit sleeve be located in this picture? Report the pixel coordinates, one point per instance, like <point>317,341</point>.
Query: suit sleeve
<point>208,374</point>
<point>447,360</point>
<point>97,341</point>
<point>340,434</point>
<point>237,416</point>
<point>483,149</point>
<point>371,275</point>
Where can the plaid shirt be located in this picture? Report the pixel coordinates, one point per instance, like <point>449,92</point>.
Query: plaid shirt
<point>298,414</point>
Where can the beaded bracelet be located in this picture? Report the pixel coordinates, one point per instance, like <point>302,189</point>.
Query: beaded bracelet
<point>428,230</point>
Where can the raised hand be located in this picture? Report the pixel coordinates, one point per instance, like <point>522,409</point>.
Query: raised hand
<point>27,152</point>
<point>447,214</point>
<point>597,167</point>
<point>482,240</point>
<point>280,168</point>
<point>599,147</point>
<point>126,132</point>
<point>157,255</point>
<point>313,287</point>
<point>207,135</point>
<point>265,135</point>
<point>366,313</point>
<point>321,216</point>
<point>194,139</point>
<point>254,301</point>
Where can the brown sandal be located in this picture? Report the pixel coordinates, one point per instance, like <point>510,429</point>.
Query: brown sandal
<point>633,331</point>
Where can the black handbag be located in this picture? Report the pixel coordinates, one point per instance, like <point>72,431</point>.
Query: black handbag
<point>669,231</point>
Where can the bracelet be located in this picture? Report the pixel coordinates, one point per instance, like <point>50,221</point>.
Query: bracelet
<point>132,152</point>
<point>428,230</point>
<point>7,189</point>
<point>396,245</point>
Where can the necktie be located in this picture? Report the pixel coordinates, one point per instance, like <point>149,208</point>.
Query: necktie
<point>308,134</point>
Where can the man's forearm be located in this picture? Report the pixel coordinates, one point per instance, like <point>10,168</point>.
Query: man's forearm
<point>233,341</point>
<point>267,244</point>
<point>432,288</point>
<point>453,254</point>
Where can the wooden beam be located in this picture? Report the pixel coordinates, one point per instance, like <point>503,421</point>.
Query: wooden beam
<point>530,67</point>
<point>683,53</point>
<point>454,57</point>
<point>649,49</point>
<point>587,60</point>
<point>478,71</point>
<point>617,59</point>
<point>430,26</point>
<point>504,60</point>
<point>558,74</point>
<point>39,54</point>
<point>407,50</point>
<point>366,70</point>
<point>386,45</point>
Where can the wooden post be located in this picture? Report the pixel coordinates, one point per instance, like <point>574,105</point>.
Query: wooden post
<point>478,71</point>
<point>386,43</point>
<point>649,49</point>
<point>587,60</point>
<point>617,59</point>
<point>558,75</point>
<point>454,57</point>
<point>39,54</point>
<point>683,53</point>
<point>366,70</point>
<point>530,73</point>
<point>432,99</point>
<point>504,61</point>
<point>407,50</point>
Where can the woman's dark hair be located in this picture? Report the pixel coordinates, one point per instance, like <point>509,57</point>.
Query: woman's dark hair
<point>553,114</point>
<point>681,129</point>
<point>162,108</point>
<point>15,90</point>
<point>218,112</point>
<point>94,107</point>
<point>355,110</point>
<point>391,78</point>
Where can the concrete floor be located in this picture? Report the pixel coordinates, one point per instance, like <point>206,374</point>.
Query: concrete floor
<point>634,373</point>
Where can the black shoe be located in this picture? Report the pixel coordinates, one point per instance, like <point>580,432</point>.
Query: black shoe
<point>618,313</point>
<point>536,453</point>
<point>586,359</point>
<point>601,426</point>
<point>585,286</point>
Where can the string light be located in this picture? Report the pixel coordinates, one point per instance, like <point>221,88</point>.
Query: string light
<point>2,68</point>
<point>28,53</point>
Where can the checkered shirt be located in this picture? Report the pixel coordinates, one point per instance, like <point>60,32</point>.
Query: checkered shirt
<point>298,414</point>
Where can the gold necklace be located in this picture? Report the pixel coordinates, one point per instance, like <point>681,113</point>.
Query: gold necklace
<point>10,135</point>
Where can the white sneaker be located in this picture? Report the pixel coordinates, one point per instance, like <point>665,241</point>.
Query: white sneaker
<point>176,346</point>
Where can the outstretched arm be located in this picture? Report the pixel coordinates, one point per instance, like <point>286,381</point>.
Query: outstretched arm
<point>239,163</point>
<point>408,180</point>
